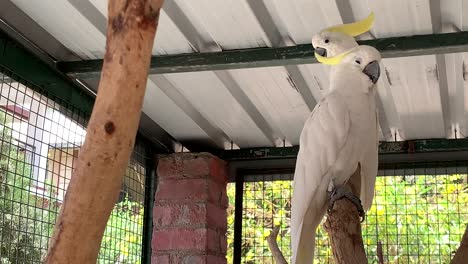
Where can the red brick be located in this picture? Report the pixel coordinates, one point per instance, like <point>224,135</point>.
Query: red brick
<point>179,239</point>
<point>169,167</point>
<point>193,189</point>
<point>180,214</point>
<point>194,260</point>
<point>224,199</point>
<point>223,243</point>
<point>216,216</point>
<point>190,214</point>
<point>162,216</point>
<point>213,241</point>
<point>197,214</point>
<point>160,259</point>
<point>218,171</point>
<point>191,165</point>
<point>196,167</point>
<point>210,259</point>
<point>216,194</point>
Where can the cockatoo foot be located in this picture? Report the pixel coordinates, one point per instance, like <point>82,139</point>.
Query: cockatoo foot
<point>343,192</point>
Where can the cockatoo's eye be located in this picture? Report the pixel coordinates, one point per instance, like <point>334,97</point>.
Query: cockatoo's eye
<point>358,61</point>
<point>327,40</point>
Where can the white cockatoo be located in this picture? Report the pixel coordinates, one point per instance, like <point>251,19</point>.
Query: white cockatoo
<point>335,142</point>
<point>332,42</point>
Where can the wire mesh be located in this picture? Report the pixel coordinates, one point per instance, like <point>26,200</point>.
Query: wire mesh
<point>40,140</point>
<point>419,215</point>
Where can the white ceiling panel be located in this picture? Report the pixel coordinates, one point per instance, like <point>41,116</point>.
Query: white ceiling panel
<point>413,84</point>
<point>230,22</point>
<point>169,116</point>
<point>211,98</point>
<point>279,102</point>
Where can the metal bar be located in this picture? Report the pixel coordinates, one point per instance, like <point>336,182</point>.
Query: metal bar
<point>238,210</point>
<point>150,189</point>
<point>415,167</point>
<point>385,148</point>
<point>394,47</point>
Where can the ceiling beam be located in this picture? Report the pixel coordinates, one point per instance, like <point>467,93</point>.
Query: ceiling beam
<point>410,147</point>
<point>436,19</point>
<point>393,47</point>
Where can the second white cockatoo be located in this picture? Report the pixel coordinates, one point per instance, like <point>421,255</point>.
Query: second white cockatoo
<point>334,143</point>
<point>335,40</point>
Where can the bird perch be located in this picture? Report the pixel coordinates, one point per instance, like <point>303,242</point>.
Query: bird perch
<point>344,229</point>
<point>343,226</point>
<point>461,256</point>
<point>96,180</point>
<point>275,251</point>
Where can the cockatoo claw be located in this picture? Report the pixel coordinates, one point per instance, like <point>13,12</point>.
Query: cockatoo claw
<point>342,192</point>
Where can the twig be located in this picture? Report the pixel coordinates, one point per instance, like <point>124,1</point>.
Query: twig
<point>273,245</point>
<point>380,252</point>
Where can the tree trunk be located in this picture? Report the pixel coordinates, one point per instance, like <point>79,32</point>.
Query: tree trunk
<point>96,180</point>
<point>461,256</point>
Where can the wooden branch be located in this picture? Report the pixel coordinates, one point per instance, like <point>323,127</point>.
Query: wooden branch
<point>380,252</point>
<point>344,229</point>
<point>274,248</point>
<point>461,256</point>
<point>96,181</point>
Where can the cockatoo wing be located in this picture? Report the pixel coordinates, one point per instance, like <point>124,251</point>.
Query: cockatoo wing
<point>369,167</point>
<point>324,134</point>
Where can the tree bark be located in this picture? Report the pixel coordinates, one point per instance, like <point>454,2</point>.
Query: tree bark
<point>273,245</point>
<point>461,256</point>
<point>111,132</point>
<point>344,229</point>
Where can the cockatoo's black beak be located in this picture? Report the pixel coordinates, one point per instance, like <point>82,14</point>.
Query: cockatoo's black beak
<point>373,71</point>
<point>321,51</point>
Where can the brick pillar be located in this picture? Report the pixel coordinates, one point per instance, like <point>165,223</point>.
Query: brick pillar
<point>190,218</point>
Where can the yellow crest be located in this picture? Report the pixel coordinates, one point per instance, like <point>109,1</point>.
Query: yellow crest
<point>356,28</point>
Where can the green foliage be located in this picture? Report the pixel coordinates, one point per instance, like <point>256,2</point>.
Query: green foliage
<point>418,219</point>
<point>122,240</point>
<point>27,221</point>
<point>24,226</point>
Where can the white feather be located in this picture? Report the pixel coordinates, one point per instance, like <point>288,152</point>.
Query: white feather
<point>340,133</point>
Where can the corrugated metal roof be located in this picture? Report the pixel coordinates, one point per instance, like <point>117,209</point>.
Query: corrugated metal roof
<point>420,97</point>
